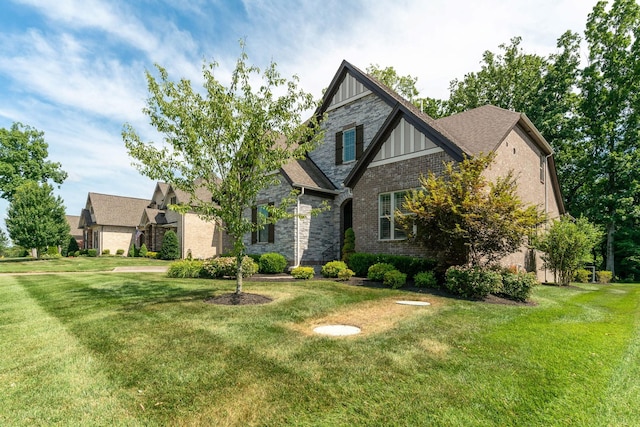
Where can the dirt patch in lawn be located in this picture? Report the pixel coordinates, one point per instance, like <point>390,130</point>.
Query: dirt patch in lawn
<point>371,317</point>
<point>239,299</point>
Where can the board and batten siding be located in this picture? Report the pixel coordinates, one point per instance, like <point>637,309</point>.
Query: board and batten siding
<point>349,89</point>
<point>404,142</point>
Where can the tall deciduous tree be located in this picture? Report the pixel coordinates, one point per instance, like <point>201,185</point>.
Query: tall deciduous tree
<point>228,140</point>
<point>404,85</point>
<point>36,218</point>
<point>465,218</point>
<point>610,107</point>
<point>23,157</point>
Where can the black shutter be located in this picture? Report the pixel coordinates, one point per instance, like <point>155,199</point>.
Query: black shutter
<point>359,141</point>
<point>272,230</point>
<point>338,148</point>
<point>254,220</point>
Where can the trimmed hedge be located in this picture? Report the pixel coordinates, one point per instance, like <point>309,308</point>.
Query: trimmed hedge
<point>394,279</point>
<point>426,279</point>
<point>517,286</point>
<point>185,269</point>
<point>377,271</point>
<point>333,268</point>
<point>473,282</point>
<point>360,262</point>
<point>345,274</point>
<point>272,263</point>
<point>217,268</point>
<point>305,273</point>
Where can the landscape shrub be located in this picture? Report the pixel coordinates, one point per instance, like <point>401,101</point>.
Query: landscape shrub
<point>143,250</point>
<point>360,262</point>
<point>218,268</point>
<point>394,279</point>
<point>272,263</point>
<point>517,286</point>
<point>73,246</point>
<point>170,248</point>
<point>185,269</point>
<point>582,275</point>
<point>106,252</point>
<point>345,274</point>
<point>120,252</point>
<point>52,251</point>
<point>152,255</point>
<point>349,246</point>
<point>377,271</point>
<point>255,257</point>
<point>305,273</point>
<point>76,253</point>
<point>333,268</point>
<point>425,279</point>
<point>472,282</point>
<point>132,251</point>
<point>92,252</point>
<point>604,276</point>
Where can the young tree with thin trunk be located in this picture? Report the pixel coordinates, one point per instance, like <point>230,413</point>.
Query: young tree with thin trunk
<point>228,140</point>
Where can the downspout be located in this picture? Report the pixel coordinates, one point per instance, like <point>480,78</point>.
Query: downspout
<point>182,237</point>
<point>546,201</point>
<point>298,256</point>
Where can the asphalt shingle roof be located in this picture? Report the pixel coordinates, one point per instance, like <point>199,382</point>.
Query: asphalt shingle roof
<point>116,210</point>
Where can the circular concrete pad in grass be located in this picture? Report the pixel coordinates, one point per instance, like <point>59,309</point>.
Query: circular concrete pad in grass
<point>423,303</point>
<point>337,330</point>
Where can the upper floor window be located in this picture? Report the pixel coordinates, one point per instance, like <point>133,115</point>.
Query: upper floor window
<point>349,144</point>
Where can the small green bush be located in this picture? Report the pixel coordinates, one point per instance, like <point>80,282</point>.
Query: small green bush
<point>92,252</point>
<point>604,276</point>
<point>120,252</point>
<point>582,276</point>
<point>349,247</point>
<point>76,253</point>
<point>73,246</point>
<point>272,263</point>
<point>106,252</point>
<point>143,250</point>
<point>333,268</point>
<point>473,282</point>
<point>517,286</point>
<point>132,251</point>
<point>170,247</point>
<point>305,273</point>
<point>218,268</point>
<point>425,279</point>
<point>360,262</point>
<point>52,251</point>
<point>185,269</point>
<point>394,279</point>
<point>377,271</point>
<point>152,255</point>
<point>345,274</point>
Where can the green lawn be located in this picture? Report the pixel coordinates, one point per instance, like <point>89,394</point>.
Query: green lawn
<point>142,349</point>
<point>101,263</point>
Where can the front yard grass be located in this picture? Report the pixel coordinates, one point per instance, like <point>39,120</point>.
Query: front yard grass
<point>64,264</point>
<point>142,349</point>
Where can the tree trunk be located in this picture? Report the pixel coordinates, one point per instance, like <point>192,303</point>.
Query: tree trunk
<point>239,259</point>
<point>610,265</point>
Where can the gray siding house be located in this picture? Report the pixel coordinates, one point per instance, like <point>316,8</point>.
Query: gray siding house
<point>376,146</point>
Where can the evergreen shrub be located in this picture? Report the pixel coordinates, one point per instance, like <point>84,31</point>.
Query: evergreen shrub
<point>425,279</point>
<point>394,279</point>
<point>377,271</point>
<point>333,268</point>
<point>472,282</point>
<point>272,263</point>
<point>305,273</point>
<point>170,248</point>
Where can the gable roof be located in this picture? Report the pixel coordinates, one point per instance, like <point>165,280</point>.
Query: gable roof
<point>74,225</point>
<point>304,173</point>
<point>115,210</point>
<point>482,129</point>
<point>153,216</point>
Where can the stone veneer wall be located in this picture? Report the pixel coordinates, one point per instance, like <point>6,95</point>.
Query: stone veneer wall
<point>403,175</point>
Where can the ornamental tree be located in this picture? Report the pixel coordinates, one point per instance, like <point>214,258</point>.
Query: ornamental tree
<point>227,140</point>
<point>35,218</point>
<point>23,154</point>
<point>567,246</point>
<point>466,219</point>
<point>170,247</point>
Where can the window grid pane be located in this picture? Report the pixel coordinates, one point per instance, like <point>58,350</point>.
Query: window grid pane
<point>263,234</point>
<point>349,145</point>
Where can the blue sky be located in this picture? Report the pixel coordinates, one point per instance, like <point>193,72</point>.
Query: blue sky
<point>74,69</point>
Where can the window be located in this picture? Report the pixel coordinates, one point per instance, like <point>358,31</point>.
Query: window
<point>266,234</point>
<point>349,144</point>
<point>542,168</point>
<point>388,203</point>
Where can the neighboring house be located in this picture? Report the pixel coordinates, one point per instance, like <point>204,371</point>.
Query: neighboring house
<point>197,237</point>
<point>376,146</point>
<point>110,222</point>
<point>75,230</point>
